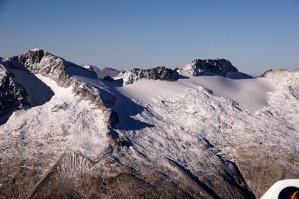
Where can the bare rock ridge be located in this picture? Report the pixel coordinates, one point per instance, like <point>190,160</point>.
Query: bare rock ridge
<point>198,67</point>
<point>44,63</point>
<point>157,73</point>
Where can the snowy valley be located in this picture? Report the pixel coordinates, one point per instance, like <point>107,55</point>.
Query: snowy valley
<point>203,130</point>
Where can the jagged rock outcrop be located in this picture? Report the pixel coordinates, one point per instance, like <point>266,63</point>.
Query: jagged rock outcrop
<point>42,62</point>
<point>219,67</point>
<point>157,73</point>
<point>12,95</point>
<point>209,67</point>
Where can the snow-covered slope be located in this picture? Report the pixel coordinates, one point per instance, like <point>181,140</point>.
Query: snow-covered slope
<point>251,122</point>
<point>251,94</point>
<point>79,136</point>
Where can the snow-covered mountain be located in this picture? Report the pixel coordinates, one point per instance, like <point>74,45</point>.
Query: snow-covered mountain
<point>203,130</point>
<point>209,67</point>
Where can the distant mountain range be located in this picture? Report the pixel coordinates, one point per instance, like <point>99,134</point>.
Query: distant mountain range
<point>203,130</point>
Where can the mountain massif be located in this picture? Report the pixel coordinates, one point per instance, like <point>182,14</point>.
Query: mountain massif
<point>203,130</point>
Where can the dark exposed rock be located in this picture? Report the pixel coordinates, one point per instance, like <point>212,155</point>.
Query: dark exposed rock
<point>209,67</point>
<point>58,107</point>
<point>294,90</point>
<point>12,95</point>
<point>108,78</point>
<point>110,72</point>
<point>197,67</point>
<point>113,120</point>
<point>157,73</point>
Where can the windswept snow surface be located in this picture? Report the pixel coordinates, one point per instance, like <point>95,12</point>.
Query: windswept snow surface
<point>197,120</point>
<point>193,113</point>
<point>251,94</point>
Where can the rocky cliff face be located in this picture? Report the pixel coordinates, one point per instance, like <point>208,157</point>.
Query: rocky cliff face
<point>209,67</point>
<point>12,95</point>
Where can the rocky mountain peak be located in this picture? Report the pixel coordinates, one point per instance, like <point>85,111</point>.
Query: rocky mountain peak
<point>219,67</point>
<point>38,61</point>
<point>28,58</point>
<point>157,73</point>
<point>209,67</point>
<point>63,72</point>
<point>33,56</point>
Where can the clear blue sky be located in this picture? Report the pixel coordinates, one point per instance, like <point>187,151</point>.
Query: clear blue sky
<point>255,35</point>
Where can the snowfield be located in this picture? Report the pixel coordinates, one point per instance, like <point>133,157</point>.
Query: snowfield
<point>196,120</point>
<point>196,137</point>
<point>39,136</point>
<point>248,94</point>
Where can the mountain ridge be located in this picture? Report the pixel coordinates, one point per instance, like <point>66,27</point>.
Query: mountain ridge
<point>194,136</point>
